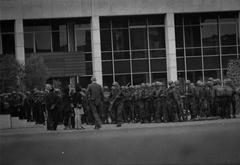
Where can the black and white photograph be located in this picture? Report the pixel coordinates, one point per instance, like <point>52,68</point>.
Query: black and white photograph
<point>119,82</point>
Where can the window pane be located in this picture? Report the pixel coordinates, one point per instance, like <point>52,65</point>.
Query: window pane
<point>107,56</point>
<point>121,55</point>
<point>158,53</point>
<point>119,22</point>
<point>178,19</point>
<point>59,40</point>
<point>59,25</point>
<point>192,36</point>
<point>28,42</point>
<point>43,41</point>
<point>89,68</point>
<point>107,67</point>
<point>191,19</point>
<point>209,18</point>
<point>212,73</point>
<point>157,37</point>
<point>140,65</point>
<point>6,26</point>
<point>228,34</point>
<point>180,52</point>
<point>193,52</point>
<point>1,48</point>
<point>139,38</point>
<point>83,38</point>
<point>229,50</point>
<point>139,54</point>
<point>106,44</point>
<point>227,17</point>
<point>82,23</point>
<point>138,21</point>
<point>161,77</point>
<point>122,66</point>
<point>105,23</point>
<point>180,64</point>
<point>84,81</point>
<point>123,79</point>
<point>211,51</point>
<point>226,60</point>
<point>42,28</point>
<point>156,20</point>
<point>120,39</point>
<point>181,76</point>
<point>158,65</point>
<point>194,76</point>
<point>194,63</point>
<point>107,80</point>
<point>211,62</point>
<point>8,44</point>
<point>88,56</point>
<point>210,35</point>
<point>179,36</point>
<point>140,78</point>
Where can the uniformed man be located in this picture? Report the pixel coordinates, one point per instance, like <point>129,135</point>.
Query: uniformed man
<point>190,98</point>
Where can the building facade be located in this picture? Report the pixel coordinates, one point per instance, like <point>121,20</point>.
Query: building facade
<point>129,41</point>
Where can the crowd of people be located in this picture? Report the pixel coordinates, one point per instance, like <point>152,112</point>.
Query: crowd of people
<point>144,103</point>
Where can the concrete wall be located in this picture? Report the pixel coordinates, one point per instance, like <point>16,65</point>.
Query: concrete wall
<point>26,9</point>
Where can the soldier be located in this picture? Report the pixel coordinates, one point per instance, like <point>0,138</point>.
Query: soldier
<point>128,107</point>
<point>117,103</point>
<point>95,95</point>
<point>229,94</point>
<point>179,94</point>
<point>190,98</point>
<point>209,97</point>
<point>219,96</point>
<point>171,101</point>
<point>148,105</point>
<point>106,118</point>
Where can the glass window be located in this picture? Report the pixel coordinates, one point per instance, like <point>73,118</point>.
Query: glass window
<point>120,39</point>
<point>139,38</point>
<point>229,50</point>
<point>227,17</point>
<point>158,65</point>
<point>156,19</point>
<point>88,56</point>
<point>59,25</point>
<point>1,48</point>
<point>178,18</point>
<point>82,23</point>
<point>59,40</point>
<point>140,78</point>
<point>107,80</point>
<point>122,66</point>
<point>181,77</point>
<point>194,63</point>
<point>140,66</point>
<point>212,73</point>
<point>7,26</point>
<point>107,56</point>
<point>191,19</point>
<point>89,68</point>
<point>121,55</point>
<point>209,18</point>
<point>84,81</point>
<point>193,52</point>
<point>180,52</point>
<point>28,42</point>
<point>105,23</point>
<point>43,41</point>
<point>228,34</point>
<point>158,53</point>
<point>192,36</point>
<point>211,51</point>
<point>179,36</point>
<point>157,37</point>
<point>180,64</point>
<point>123,79</point>
<point>119,22</point>
<point>226,60</point>
<point>210,35</point>
<point>138,21</point>
<point>139,54</point>
<point>161,77</point>
<point>106,44</point>
<point>107,67</point>
<point>83,38</point>
<point>40,28</point>
<point>8,43</point>
<point>194,76</point>
<point>211,62</point>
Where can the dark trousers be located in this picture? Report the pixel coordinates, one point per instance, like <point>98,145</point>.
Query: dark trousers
<point>95,108</point>
<point>52,120</point>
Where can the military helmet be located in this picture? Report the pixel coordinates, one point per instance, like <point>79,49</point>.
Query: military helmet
<point>188,82</point>
<point>115,84</point>
<point>170,82</point>
<point>210,79</point>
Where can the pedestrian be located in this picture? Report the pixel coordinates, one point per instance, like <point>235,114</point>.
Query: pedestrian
<point>95,95</point>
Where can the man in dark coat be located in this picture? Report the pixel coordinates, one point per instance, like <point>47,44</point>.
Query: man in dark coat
<point>95,95</point>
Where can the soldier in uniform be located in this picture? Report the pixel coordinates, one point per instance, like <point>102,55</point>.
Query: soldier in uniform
<point>190,98</point>
<point>171,101</point>
<point>128,107</point>
<point>178,95</point>
<point>229,96</point>
<point>209,97</point>
<point>106,117</point>
<point>219,96</point>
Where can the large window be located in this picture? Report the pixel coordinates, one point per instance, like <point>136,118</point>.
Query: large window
<point>205,43</point>
<point>133,49</point>
<point>7,37</point>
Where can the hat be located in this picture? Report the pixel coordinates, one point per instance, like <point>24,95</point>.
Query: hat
<point>93,79</point>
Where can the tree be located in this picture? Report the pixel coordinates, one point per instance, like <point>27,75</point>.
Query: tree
<point>233,71</point>
<point>9,69</point>
<point>36,72</point>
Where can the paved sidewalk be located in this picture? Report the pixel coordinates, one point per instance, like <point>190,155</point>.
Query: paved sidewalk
<point>41,129</point>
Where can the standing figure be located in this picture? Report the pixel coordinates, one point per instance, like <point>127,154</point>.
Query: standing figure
<point>95,94</point>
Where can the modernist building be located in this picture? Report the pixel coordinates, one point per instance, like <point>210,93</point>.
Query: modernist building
<point>129,41</point>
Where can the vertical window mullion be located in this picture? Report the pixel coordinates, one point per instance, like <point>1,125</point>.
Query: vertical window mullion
<point>201,42</point>
<point>184,51</point>
<point>148,50</point>
<point>34,42</point>
<point>130,52</point>
<point>113,66</point>
<point>220,47</point>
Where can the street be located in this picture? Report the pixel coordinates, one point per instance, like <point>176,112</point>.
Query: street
<point>198,142</point>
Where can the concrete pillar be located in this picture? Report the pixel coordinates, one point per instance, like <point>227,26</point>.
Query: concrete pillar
<point>170,47</point>
<point>96,49</point>
<point>19,41</point>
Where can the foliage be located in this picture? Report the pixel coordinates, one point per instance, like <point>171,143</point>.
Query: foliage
<point>9,70</point>
<point>36,73</point>
<point>233,71</point>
